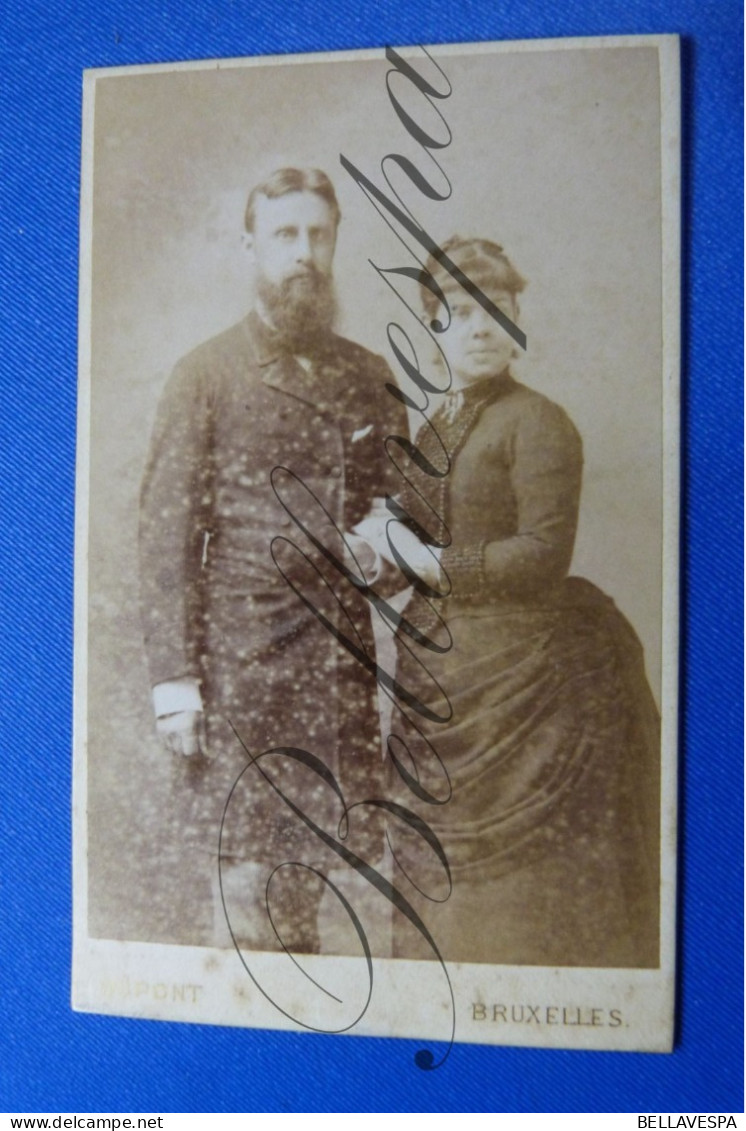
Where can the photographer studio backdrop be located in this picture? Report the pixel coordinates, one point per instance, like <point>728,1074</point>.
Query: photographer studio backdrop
<point>195,283</point>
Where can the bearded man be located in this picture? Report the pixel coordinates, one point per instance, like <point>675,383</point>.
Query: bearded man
<point>268,448</point>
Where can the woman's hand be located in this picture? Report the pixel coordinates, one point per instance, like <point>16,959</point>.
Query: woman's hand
<point>422,560</point>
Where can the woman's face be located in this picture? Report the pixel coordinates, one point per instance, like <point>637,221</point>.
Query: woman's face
<point>475,344</point>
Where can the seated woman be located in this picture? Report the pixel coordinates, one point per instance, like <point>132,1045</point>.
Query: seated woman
<point>552,745</point>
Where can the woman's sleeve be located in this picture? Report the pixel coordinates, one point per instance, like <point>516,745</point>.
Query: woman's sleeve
<point>546,464</point>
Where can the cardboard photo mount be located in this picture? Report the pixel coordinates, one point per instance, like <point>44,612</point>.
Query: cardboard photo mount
<point>567,153</point>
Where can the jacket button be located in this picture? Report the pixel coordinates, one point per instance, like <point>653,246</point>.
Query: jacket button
<point>336,471</point>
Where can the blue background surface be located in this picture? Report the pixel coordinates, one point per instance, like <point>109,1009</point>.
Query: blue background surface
<point>54,1060</point>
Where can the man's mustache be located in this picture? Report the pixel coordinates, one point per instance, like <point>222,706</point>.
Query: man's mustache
<point>306,274</point>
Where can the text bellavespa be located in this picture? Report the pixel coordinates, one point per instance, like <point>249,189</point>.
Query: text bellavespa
<point>701,1122</point>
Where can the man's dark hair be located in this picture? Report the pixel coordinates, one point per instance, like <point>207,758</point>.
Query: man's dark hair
<point>283,181</point>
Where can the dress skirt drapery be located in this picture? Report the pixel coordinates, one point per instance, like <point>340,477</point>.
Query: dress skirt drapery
<point>552,745</point>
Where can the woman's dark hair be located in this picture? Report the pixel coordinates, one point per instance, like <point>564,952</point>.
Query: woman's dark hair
<point>483,261</point>
<point>283,181</point>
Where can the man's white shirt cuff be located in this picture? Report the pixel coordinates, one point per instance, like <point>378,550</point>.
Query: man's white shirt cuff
<point>175,695</point>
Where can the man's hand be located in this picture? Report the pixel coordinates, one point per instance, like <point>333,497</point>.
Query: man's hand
<point>183,733</point>
<point>361,558</point>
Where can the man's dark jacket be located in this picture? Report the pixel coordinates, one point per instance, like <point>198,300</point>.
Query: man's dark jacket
<point>256,465</point>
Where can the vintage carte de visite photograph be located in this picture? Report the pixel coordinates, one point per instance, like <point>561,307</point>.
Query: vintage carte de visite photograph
<point>376,643</point>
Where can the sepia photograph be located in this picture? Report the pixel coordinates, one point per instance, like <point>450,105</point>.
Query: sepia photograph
<point>377,520</point>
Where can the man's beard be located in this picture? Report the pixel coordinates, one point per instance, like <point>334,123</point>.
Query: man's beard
<point>301,308</point>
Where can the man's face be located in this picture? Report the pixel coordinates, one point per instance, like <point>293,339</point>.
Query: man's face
<point>291,234</point>
<point>293,248</point>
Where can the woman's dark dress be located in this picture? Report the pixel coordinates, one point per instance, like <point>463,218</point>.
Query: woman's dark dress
<point>551,831</point>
